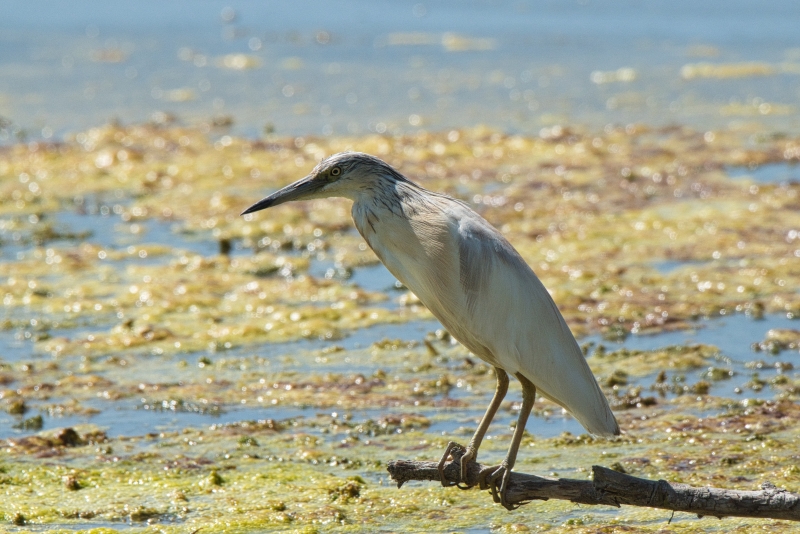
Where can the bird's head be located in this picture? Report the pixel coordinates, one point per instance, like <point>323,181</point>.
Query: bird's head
<point>347,174</point>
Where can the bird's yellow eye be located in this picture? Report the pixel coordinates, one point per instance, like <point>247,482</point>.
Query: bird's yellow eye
<point>336,171</point>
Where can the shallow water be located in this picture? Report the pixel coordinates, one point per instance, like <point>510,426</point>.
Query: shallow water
<point>668,266</point>
<point>733,336</point>
<point>397,66</point>
<point>76,527</point>
<point>774,173</point>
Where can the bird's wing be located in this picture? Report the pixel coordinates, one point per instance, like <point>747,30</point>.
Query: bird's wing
<point>471,278</point>
<point>512,314</point>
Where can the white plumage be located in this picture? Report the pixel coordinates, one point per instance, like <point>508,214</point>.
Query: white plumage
<point>512,322</point>
<point>474,282</point>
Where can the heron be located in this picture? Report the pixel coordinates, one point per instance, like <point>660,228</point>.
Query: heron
<point>476,284</point>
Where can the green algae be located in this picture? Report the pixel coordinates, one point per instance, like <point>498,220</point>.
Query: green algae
<point>626,198</point>
<point>299,473</point>
<point>167,328</point>
<point>209,478</point>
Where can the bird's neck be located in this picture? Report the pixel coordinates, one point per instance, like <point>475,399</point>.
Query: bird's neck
<point>382,195</point>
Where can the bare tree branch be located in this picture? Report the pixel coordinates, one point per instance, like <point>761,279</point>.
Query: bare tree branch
<point>614,489</point>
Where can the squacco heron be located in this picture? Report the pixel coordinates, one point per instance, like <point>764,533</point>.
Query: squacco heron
<point>478,286</point>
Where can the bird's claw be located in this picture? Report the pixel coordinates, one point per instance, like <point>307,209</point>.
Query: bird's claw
<point>470,455</point>
<point>489,478</point>
<point>492,478</point>
<point>448,450</point>
<point>464,459</point>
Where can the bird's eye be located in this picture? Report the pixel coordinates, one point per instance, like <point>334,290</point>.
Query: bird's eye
<point>336,171</point>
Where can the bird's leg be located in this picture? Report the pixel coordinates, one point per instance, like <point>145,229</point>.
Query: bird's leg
<point>491,476</point>
<point>471,453</point>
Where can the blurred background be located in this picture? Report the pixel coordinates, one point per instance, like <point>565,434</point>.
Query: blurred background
<point>322,68</point>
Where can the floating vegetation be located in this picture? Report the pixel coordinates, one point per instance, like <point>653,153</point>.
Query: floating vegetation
<point>778,340</point>
<point>164,361</point>
<point>727,70</point>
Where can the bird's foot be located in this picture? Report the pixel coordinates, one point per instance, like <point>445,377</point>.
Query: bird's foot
<point>496,479</point>
<point>453,449</point>
<point>470,455</point>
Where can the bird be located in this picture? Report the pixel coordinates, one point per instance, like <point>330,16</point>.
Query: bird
<point>476,284</point>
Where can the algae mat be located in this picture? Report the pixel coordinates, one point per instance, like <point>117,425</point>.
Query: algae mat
<point>169,366</point>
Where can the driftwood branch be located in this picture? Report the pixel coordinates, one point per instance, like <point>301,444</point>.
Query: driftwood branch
<point>614,489</point>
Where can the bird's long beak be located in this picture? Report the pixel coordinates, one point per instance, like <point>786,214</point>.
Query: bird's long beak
<point>299,190</point>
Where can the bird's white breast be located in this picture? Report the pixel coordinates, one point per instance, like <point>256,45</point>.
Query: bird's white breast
<point>420,248</point>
